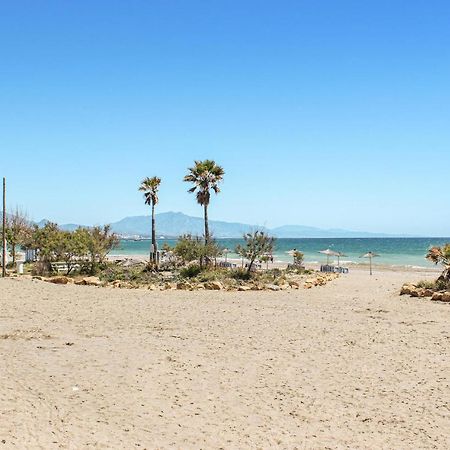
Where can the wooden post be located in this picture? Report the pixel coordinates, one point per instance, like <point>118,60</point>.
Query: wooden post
<point>4,230</point>
<point>370,259</point>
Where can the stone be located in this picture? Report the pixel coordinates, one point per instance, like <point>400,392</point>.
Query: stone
<point>152,287</point>
<point>214,286</point>
<point>89,281</point>
<point>272,287</point>
<point>257,287</point>
<point>244,288</point>
<point>426,293</point>
<point>184,286</point>
<point>437,296</point>
<point>294,284</point>
<point>445,297</point>
<point>58,280</point>
<point>407,289</point>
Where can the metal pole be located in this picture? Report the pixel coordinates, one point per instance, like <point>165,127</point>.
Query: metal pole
<point>4,230</point>
<point>370,265</point>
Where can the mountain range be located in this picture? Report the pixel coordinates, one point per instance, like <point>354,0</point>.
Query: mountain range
<point>174,224</point>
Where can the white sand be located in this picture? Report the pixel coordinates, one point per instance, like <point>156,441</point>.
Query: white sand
<point>348,365</point>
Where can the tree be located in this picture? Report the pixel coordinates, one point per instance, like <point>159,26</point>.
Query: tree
<point>150,187</point>
<point>441,255</point>
<point>256,245</point>
<point>72,248</point>
<point>101,241</point>
<point>18,229</point>
<point>205,176</point>
<point>191,248</point>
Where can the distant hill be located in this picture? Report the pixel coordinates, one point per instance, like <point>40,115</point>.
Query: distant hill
<point>174,224</point>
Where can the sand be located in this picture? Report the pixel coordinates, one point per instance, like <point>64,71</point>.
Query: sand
<point>347,365</point>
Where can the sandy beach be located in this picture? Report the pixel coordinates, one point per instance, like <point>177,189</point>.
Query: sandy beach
<point>347,365</point>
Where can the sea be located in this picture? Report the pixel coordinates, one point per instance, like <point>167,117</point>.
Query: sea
<point>395,252</point>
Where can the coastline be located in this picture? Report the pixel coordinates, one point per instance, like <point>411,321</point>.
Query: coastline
<point>308,265</point>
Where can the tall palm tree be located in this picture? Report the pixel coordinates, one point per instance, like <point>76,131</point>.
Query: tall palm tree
<point>150,188</point>
<point>205,176</point>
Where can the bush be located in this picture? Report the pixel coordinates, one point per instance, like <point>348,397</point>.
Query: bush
<point>191,271</point>
<point>240,274</point>
<point>437,285</point>
<point>426,284</point>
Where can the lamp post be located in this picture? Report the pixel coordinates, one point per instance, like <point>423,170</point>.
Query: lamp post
<point>4,230</point>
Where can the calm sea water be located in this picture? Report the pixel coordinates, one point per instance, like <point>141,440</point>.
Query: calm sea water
<point>392,251</point>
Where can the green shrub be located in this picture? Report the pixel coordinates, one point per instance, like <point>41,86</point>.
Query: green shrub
<point>426,284</point>
<point>211,275</point>
<point>191,271</point>
<point>240,274</point>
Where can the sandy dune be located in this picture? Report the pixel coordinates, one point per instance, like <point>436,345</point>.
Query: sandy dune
<point>348,365</point>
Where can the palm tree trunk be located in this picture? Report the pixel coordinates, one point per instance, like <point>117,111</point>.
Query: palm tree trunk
<point>206,224</point>
<point>154,243</point>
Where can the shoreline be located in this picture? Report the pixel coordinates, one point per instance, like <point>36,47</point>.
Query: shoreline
<point>308,265</point>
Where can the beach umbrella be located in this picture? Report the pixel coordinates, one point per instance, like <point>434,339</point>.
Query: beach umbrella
<point>370,255</point>
<point>329,253</point>
<point>226,251</point>
<point>339,255</point>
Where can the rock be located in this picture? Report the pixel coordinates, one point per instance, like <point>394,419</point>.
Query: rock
<point>257,287</point>
<point>294,284</point>
<point>445,297</point>
<point>184,286</point>
<point>244,288</point>
<point>152,287</point>
<point>214,286</point>
<point>58,280</point>
<point>426,293</point>
<point>437,296</point>
<point>36,277</point>
<point>407,289</point>
<point>122,284</point>
<point>200,287</point>
<point>272,287</point>
<point>89,281</point>
<point>285,286</point>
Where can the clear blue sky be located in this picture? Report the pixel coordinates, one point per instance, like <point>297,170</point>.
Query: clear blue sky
<point>323,113</point>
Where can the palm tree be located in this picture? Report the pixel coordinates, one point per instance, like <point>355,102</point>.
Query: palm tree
<point>150,187</point>
<point>205,175</point>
